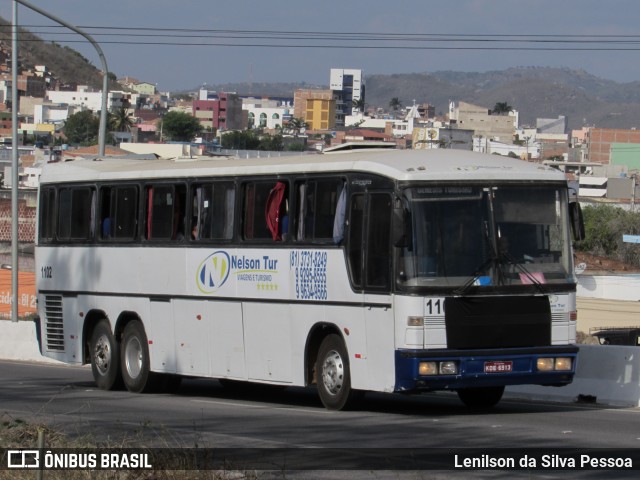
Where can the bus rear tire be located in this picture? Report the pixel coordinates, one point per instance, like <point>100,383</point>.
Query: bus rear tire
<point>105,357</point>
<point>136,372</point>
<point>333,375</point>
<point>482,397</point>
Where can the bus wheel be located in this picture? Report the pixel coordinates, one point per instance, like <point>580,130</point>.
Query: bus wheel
<point>334,378</point>
<point>105,357</point>
<point>483,397</point>
<point>135,359</point>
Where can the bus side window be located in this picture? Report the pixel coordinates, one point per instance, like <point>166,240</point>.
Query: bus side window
<point>47,215</point>
<point>254,214</point>
<point>276,212</point>
<point>165,212</point>
<point>316,209</point>
<point>122,215</point>
<point>106,225</point>
<point>213,210</point>
<point>76,212</point>
<point>355,238</point>
<point>378,241</point>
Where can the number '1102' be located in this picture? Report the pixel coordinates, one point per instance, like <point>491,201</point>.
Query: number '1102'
<point>46,272</point>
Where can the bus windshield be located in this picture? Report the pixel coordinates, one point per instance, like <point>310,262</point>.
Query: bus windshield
<point>464,236</point>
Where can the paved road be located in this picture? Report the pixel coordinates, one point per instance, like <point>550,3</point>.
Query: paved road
<point>203,414</point>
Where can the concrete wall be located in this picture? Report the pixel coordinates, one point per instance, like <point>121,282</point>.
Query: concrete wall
<point>606,374</point>
<point>611,287</point>
<point>18,342</point>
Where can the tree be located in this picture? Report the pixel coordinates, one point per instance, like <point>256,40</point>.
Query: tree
<point>358,104</point>
<point>272,143</point>
<point>501,108</point>
<point>237,140</point>
<point>296,125</point>
<point>82,128</point>
<point>604,227</point>
<point>180,126</point>
<point>121,120</point>
<point>395,104</point>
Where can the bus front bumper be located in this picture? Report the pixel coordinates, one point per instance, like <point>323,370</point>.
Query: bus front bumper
<point>454,369</point>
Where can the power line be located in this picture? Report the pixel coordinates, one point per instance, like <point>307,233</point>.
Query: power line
<point>384,41</point>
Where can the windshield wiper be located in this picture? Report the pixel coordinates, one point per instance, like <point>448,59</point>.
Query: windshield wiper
<point>530,276</point>
<point>497,260</point>
<point>462,289</point>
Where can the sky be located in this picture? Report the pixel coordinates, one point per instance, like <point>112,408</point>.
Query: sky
<point>183,44</point>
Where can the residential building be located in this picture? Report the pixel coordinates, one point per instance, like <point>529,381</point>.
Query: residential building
<point>348,87</point>
<point>603,144</point>
<point>320,114</point>
<point>442,137</point>
<point>266,113</point>
<point>223,113</point>
<point>31,85</point>
<point>394,127</point>
<point>5,93</point>
<point>87,99</point>
<point>316,107</point>
<point>552,125</point>
<point>479,119</point>
<point>144,88</point>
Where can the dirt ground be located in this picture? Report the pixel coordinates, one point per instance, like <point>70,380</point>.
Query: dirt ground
<point>603,266</point>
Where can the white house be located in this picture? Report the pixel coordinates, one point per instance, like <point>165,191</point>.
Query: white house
<point>83,98</point>
<point>264,113</point>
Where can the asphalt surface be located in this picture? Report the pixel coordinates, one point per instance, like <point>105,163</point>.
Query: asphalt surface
<point>203,414</point>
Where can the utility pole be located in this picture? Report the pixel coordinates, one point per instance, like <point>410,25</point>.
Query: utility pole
<point>14,141</point>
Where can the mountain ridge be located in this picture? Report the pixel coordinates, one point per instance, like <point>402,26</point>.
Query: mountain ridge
<point>536,92</point>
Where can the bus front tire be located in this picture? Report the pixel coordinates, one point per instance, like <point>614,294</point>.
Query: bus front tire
<point>105,357</point>
<point>333,375</point>
<point>136,372</point>
<point>482,397</point>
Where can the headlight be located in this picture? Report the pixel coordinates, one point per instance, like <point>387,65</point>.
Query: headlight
<point>564,363</point>
<point>545,364</point>
<point>428,368</point>
<point>448,368</point>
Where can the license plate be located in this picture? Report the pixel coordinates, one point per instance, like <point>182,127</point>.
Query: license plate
<point>498,367</point>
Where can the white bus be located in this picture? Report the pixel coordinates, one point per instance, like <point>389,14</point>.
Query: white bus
<point>388,271</point>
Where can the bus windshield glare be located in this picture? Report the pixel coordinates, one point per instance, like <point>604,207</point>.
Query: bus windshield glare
<point>462,236</point>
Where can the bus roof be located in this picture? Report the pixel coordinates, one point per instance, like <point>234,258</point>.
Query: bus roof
<point>402,165</point>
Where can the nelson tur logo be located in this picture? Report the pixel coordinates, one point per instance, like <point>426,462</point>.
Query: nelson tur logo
<point>213,272</point>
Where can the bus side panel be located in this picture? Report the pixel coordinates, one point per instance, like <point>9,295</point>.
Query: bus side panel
<point>227,344</point>
<point>563,327</point>
<point>267,335</point>
<point>303,318</point>
<point>194,334</point>
<point>161,337</point>
<point>60,326</point>
<point>380,346</point>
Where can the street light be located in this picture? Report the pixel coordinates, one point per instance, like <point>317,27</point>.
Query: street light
<point>14,116</point>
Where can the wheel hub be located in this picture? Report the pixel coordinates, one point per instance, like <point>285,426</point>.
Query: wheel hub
<point>333,372</point>
<point>133,357</point>
<point>102,355</point>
